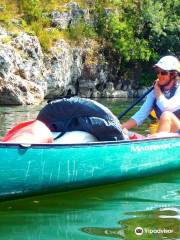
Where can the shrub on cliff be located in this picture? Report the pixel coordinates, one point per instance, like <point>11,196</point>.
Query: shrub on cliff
<point>81,30</point>
<point>31,8</point>
<point>141,30</point>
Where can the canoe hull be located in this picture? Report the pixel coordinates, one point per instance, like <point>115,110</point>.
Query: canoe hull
<point>35,169</point>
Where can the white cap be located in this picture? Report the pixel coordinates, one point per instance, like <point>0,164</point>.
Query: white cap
<point>168,63</point>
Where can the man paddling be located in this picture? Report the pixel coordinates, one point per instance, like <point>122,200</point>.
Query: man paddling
<point>164,99</point>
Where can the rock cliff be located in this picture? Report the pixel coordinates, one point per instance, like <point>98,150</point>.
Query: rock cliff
<point>28,75</point>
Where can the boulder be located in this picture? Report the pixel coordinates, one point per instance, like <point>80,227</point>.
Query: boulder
<point>18,92</point>
<point>120,94</point>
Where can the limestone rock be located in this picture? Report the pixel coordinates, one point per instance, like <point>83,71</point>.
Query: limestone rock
<point>86,88</point>
<point>28,75</point>
<point>18,92</point>
<point>70,16</point>
<point>64,68</point>
<point>60,20</point>
<point>21,71</point>
<point>120,94</point>
<point>29,45</point>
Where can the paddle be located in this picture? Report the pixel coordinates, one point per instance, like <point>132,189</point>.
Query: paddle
<point>134,103</point>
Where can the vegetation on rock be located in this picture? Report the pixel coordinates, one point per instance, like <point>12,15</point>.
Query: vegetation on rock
<point>138,31</point>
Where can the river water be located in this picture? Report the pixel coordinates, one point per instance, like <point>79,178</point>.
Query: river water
<point>151,204</point>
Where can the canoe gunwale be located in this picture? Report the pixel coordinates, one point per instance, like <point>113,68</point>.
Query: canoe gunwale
<point>102,143</point>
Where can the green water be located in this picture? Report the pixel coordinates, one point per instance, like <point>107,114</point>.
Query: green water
<point>104,212</point>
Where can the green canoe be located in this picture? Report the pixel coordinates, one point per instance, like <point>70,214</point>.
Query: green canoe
<point>27,170</point>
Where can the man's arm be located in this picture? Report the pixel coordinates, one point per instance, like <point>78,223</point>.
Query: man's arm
<point>139,117</point>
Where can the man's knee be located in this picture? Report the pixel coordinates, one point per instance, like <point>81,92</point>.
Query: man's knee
<point>166,116</point>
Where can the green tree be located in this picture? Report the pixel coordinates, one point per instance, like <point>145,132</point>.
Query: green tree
<point>141,30</point>
<point>162,25</point>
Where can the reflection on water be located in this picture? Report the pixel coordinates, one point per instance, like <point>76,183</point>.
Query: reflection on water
<point>164,223</point>
<point>105,212</point>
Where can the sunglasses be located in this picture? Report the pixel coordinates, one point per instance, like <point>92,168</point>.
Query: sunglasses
<point>162,72</point>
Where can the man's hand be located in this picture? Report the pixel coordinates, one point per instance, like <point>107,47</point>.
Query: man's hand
<point>129,124</point>
<point>157,89</point>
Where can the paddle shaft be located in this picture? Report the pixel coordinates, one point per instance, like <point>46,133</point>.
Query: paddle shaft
<point>134,103</point>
